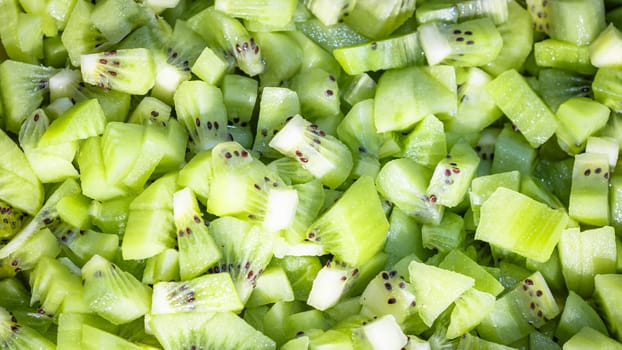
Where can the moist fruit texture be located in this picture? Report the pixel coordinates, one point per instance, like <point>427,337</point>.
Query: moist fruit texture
<point>310,174</point>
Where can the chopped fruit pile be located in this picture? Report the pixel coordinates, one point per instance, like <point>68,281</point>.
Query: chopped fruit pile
<point>310,174</point>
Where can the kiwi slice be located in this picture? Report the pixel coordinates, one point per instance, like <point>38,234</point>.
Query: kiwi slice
<point>23,87</point>
<point>197,249</point>
<point>50,163</point>
<point>227,33</point>
<point>46,215</point>
<point>213,292</point>
<point>246,252</point>
<point>244,187</point>
<point>222,330</point>
<point>201,109</point>
<point>340,229</point>
<point>323,155</point>
<point>15,334</point>
<point>127,70</point>
<point>11,220</point>
<point>276,14</point>
<point>112,293</point>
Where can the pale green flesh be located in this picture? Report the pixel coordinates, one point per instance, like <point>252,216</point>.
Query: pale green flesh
<point>312,174</point>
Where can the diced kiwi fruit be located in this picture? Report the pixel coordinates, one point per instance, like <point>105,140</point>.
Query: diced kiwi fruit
<point>107,172</point>
<point>521,234</point>
<point>112,293</point>
<point>227,33</point>
<point>197,249</point>
<point>209,293</point>
<point>470,43</point>
<point>532,117</point>
<point>585,254</point>
<point>23,87</point>
<point>327,158</point>
<point>247,261</point>
<point>339,228</point>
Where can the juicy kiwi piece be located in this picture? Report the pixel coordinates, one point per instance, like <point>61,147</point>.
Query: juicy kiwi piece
<point>246,252</point>
<point>436,289</point>
<point>162,267</point>
<point>452,176</point>
<point>174,59</point>
<point>310,201</point>
<point>318,92</point>
<point>563,55</point>
<point>527,224</point>
<point>330,12</point>
<point>459,262</point>
<point>20,186</point>
<point>93,173</point>
<point>577,313</point>
<point>585,254</point>
<point>41,244</point>
<point>606,88</point>
<point>426,143</point>
<point>557,86</point>
<point>16,335</point>
<point>470,43</point>
<point>512,152</point>
<point>150,227</point>
<point>244,187</point>
<point>279,68</point>
<point>54,285</point>
<point>70,328</point>
<point>539,13</point>
<point>197,249</point>
<point>23,87</point>
<point>607,291</point>
<point>534,300</point>
<point>476,109</point>
<point>222,330</point>
<point>80,35</point>
<point>396,52</point>
<point>379,19</point>
<point>300,271</point>
<point>483,186</point>
<point>201,109</point>
<point>358,132</point>
<point>589,189</point>
<point>517,40</point>
<point>46,215</point>
<point>431,90</point>
<point>603,49</point>
<point>531,116</point>
<point>239,95</point>
<point>85,119</point>
<point>112,293</point>
<point>579,118</point>
<point>211,65</point>
<point>150,110</point>
<point>115,19</point>
<point>389,294</point>
<point>323,155</point>
<point>458,11</point>
<point>272,286</point>
<point>11,220</point>
<point>330,37</point>
<point>446,235</point>
<point>276,14</point>
<point>82,245</point>
<point>227,33</point>
<point>94,338</point>
<point>403,182</point>
<point>275,107</point>
<point>127,70</point>
<point>330,284</point>
<point>340,228</point>
<point>291,171</point>
<point>52,163</point>
<point>213,292</point>
<point>564,18</point>
<point>195,175</point>
<point>470,308</point>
